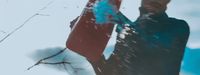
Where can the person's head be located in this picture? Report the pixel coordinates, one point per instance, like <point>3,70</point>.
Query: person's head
<point>154,6</point>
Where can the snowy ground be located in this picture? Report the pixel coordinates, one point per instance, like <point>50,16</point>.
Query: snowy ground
<point>50,29</point>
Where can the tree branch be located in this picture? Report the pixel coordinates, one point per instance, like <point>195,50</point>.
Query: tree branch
<point>47,5</point>
<point>26,21</point>
<point>18,27</point>
<point>41,61</point>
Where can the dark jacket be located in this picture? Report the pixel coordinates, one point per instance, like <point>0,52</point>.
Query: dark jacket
<point>151,48</point>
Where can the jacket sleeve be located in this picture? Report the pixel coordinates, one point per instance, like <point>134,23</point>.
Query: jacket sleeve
<point>179,45</point>
<point>182,36</point>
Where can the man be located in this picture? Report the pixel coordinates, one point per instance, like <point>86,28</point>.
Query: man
<point>152,45</point>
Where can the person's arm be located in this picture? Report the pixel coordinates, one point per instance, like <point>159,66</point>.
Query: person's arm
<point>179,45</point>
<point>182,36</point>
<point>121,21</point>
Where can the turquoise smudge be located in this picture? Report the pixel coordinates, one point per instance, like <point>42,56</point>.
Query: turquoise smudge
<point>103,11</point>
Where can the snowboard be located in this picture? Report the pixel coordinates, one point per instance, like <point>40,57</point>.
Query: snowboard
<point>89,38</point>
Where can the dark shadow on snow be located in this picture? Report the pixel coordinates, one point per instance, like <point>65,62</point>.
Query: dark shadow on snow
<point>77,64</point>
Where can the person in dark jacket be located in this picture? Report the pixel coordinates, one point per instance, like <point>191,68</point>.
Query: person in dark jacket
<point>152,45</point>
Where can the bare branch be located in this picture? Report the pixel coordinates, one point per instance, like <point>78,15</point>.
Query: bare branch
<point>47,5</point>
<point>41,61</point>
<point>18,27</point>
<point>64,65</point>
<point>62,62</point>
<point>43,14</point>
<point>26,21</point>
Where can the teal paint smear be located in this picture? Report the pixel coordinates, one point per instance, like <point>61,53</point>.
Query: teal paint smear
<point>103,11</point>
<point>191,61</point>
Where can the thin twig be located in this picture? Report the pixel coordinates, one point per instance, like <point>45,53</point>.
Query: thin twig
<point>63,62</point>
<point>41,61</point>
<point>64,65</point>
<point>26,21</point>
<point>18,27</point>
<point>50,63</point>
<point>47,5</point>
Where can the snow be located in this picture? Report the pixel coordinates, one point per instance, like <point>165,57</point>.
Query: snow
<point>124,32</point>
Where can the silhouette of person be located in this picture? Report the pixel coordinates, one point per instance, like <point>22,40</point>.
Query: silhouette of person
<point>152,45</point>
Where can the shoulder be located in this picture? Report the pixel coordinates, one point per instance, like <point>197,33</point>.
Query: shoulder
<point>180,25</point>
